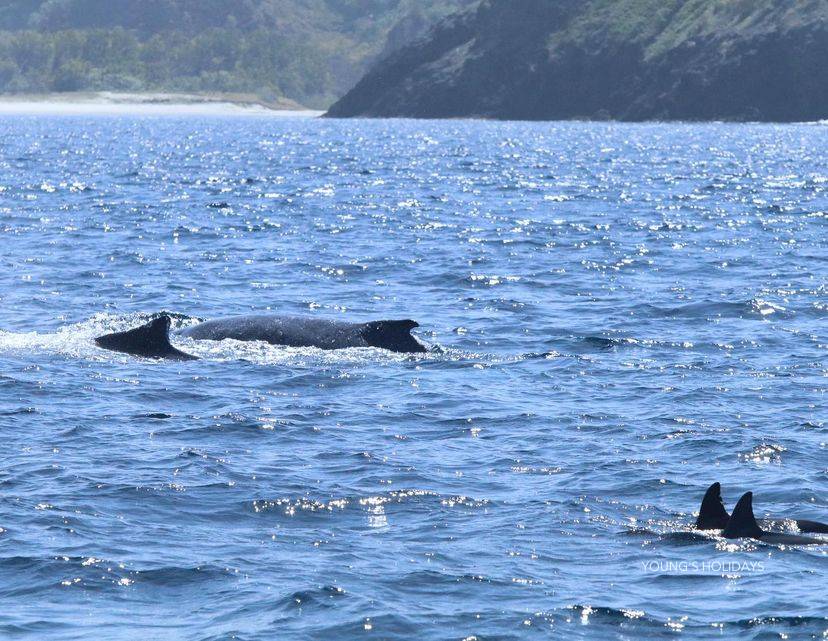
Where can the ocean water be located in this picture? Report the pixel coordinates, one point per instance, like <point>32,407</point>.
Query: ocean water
<point>619,315</point>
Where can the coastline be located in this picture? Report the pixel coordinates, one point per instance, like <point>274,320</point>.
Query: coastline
<point>150,104</point>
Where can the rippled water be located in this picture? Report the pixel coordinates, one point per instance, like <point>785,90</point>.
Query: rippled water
<point>620,315</point>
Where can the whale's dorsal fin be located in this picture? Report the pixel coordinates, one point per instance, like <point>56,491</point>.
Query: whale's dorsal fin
<point>151,340</point>
<point>742,523</point>
<point>394,335</point>
<point>712,513</point>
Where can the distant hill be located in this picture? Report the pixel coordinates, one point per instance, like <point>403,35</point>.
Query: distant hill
<point>311,51</point>
<point>621,59</point>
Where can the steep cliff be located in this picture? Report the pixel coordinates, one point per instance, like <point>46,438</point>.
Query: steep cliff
<point>620,59</point>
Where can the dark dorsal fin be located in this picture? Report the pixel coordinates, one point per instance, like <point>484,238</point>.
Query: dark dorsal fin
<point>742,523</point>
<point>712,513</point>
<point>151,340</point>
<point>394,335</point>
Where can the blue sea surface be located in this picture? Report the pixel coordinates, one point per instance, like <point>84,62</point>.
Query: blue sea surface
<point>619,315</point>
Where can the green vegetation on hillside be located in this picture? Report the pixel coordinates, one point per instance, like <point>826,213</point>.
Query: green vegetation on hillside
<point>116,60</point>
<point>308,50</point>
<point>609,59</point>
<point>662,25</point>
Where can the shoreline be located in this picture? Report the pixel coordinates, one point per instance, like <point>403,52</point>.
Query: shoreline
<point>150,104</point>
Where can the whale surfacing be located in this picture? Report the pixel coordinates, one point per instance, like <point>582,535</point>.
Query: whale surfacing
<point>714,516</point>
<point>743,524</point>
<point>152,340</point>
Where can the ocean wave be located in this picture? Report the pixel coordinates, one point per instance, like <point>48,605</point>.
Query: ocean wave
<point>294,506</point>
<point>756,308</point>
<point>325,596</point>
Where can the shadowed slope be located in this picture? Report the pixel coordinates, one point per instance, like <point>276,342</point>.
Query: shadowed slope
<point>621,59</point>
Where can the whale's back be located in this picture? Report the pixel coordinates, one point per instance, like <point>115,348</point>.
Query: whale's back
<point>307,331</point>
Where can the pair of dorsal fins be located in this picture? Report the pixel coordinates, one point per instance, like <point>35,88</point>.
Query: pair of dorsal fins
<point>742,523</point>
<point>714,516</point>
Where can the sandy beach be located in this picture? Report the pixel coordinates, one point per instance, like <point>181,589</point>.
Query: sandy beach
<point>150,104</point>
